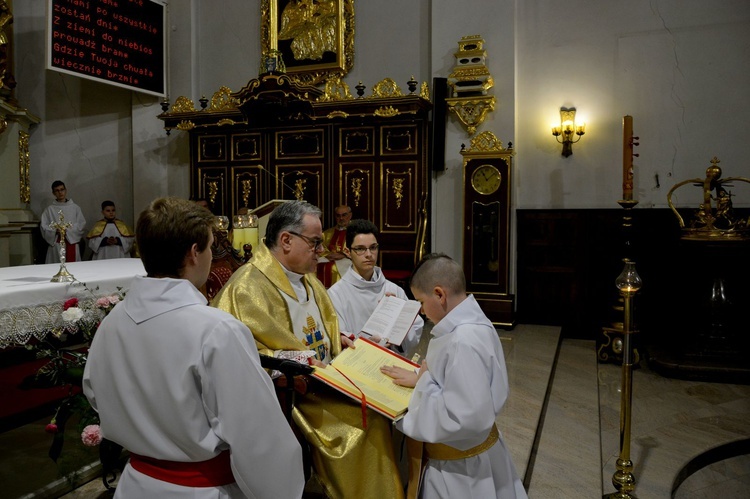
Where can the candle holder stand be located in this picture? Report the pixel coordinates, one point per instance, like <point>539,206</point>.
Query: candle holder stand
<point>628,283</point>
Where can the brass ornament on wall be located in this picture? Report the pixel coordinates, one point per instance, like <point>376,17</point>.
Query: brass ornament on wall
<point>24,165</point>
<point>471,111</point>
<point>469,83</point>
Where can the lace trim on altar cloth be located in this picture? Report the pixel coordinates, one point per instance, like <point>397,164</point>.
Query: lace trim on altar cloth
<point>19,325</point>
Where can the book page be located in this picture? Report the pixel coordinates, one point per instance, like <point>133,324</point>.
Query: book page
<point>384,316</point>
<point>392,319</point>
<point>362,365</point>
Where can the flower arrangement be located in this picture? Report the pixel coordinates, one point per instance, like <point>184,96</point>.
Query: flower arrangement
<point>79,317</point>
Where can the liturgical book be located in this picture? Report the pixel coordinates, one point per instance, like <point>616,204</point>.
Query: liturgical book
<point>392,319</point>
<point>355,372</point>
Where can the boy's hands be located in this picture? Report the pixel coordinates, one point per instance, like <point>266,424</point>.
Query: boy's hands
<point>404,377</point>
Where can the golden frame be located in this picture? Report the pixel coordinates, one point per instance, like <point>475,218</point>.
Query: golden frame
<point>309,61</point>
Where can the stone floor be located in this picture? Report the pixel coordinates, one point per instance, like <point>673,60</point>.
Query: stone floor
<point>560,424</point>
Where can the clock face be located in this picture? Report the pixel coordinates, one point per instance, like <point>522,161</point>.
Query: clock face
<point>486,179</point>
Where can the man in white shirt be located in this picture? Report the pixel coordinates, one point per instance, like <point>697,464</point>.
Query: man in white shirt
<point>179,384</point>
<point>73,234</point>
<point>357,294</point>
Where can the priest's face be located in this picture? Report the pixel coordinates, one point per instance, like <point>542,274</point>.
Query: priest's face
<point>364,254</point>
<point>343,216</point>
<point>305,247</point>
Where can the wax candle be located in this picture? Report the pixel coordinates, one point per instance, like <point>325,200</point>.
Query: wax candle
<point>627,158</point>
<point>252,237</point>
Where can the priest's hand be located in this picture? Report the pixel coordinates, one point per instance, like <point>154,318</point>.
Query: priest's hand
<point>347,341</point>
<point>401,376</point>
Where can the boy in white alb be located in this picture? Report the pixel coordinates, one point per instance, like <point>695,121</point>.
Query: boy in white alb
<point>357,294</point>
<point>459,391</point>
<point>110,237</point>
<point>179,384</point>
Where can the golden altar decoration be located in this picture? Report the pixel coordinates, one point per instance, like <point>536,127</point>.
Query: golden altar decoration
<point>715,219</point>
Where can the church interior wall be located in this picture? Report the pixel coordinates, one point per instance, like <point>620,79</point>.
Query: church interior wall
<point>680,68</point>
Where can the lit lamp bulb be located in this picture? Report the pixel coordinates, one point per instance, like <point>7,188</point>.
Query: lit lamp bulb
<point>628,282</point>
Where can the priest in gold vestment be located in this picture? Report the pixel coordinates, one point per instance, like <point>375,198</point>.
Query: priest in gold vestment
<point>287,309</point>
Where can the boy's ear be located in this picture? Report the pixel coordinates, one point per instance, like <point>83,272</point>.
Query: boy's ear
<point>442,296</point>
<point>347,252</point>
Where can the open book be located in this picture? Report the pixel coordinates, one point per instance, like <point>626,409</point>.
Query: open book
<point>362,366</point>
<point>392,319</point>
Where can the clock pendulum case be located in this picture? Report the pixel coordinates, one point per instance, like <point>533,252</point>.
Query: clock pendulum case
<point>486,226</point>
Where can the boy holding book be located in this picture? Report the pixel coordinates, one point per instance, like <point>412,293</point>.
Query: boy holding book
<point>458,392</point>
<point>357,294</point>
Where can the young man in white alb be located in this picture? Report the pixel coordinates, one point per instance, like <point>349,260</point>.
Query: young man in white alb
<point>357,294</point>
<point>179,384</point>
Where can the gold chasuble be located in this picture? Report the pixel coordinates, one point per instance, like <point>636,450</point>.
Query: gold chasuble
<point>350,461</point>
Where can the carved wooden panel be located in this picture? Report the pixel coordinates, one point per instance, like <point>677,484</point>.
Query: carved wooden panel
<point>300,143</point>
<point>249,187</point>
<point>212,185</point>
<point>212,148</point>
<point>357,188</point>
<point>356,141</point>
<point>247,147</point>
<point>398,193</point>
<point>399,140</point>
<point>301,182</point>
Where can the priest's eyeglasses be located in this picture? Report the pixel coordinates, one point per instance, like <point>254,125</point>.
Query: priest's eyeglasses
<point>360,250</point>
<point>314,243</point>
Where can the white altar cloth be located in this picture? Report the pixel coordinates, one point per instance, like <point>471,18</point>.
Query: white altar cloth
<point>31,305</point>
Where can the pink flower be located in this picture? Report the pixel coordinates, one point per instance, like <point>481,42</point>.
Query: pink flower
<point>113,299</point>
<point>70,302</point>
<point>51,428</point>
<point>91,435</point>
<point>103,302</point>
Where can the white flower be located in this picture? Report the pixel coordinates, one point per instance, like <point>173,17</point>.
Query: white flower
<point>72,314</point>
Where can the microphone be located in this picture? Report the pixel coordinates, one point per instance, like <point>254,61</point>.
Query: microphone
<point>286,366</point>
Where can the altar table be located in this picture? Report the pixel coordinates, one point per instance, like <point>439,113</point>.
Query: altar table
<point>31,306</point>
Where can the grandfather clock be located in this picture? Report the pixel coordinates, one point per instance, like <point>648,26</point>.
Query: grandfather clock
<point>486,227</point>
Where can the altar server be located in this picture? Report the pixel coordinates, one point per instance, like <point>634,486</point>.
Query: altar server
<point>460,389</point>
<point>357,294</point>
<point>110,237</point>
<point>179,384</point>
<point>73,234</point>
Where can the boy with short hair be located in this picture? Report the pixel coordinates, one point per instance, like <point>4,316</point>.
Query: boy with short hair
<point>110,237</point>
<point>180,385</point>
<point>357,294</point>
<point>457,398</point>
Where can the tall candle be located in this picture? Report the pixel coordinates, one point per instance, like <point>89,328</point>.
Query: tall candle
<point>238,238</point>
<point>252,237</point>
<point>627,158</point>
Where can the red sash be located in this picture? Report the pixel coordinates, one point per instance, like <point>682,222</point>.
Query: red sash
<point>212,473</point>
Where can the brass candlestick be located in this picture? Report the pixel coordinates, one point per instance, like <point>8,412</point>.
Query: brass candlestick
<point>61,226</point>
<point>628,282</point>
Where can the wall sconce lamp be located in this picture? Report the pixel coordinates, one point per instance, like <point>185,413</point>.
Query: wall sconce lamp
<point>567,129</point>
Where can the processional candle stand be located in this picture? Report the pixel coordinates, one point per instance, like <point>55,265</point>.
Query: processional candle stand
<point>61,226</point>
<point>628,283</point>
